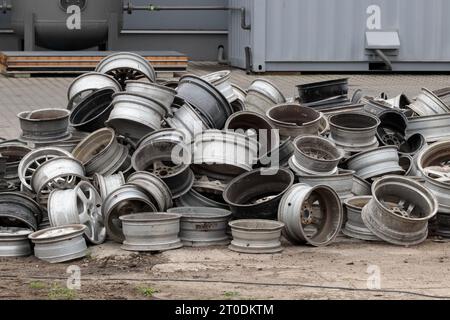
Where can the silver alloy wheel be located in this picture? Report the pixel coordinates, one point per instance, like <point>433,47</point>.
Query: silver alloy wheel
<point>57,173</point>
<point>163,94</point>
<point>19,210</point>
<point>81,205</point>
<point>433,163</point>
<point>60,244</point>
<point>14,242</point>
<point>100,152</point>
<point>428,104</point>
<point>44,125</point>
<point>187,120</point>
<point>86,84</point>
<point>169,161</point>
<point>225,151</point>
<point>399,210</point>
<point>124,66</point>
<point>134,115</point>
<point>127,199</point>
<point>433,128</point>
<point>107,184</point>
<point>252,123</point>
<point>155,187</point>
<point>257,194</point>
<point>361,187</point>
<point>341,182</point>
<point>376,162</point>
<point>170,135</point>
<point>29,164</point>
<point>201,227</point>
<point>221,80</point>
<point>195,199</point>
<point>355,227</point>
<point>208,101</point>
<point>267,89</point>
<point>298,169</point>
<point>354,131</point>
<point>316,155</point>
<point>257,102</point>
<point>294,120</point>
<point>256,236</point>
<point>151,231</point>
<point>311,215</point>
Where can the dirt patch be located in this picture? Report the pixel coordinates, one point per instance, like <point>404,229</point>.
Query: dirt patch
<point>344,270</point>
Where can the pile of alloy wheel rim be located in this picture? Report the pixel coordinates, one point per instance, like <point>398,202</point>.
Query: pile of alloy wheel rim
<point>208,164</point>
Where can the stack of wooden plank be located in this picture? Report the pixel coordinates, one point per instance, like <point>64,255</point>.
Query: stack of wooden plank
<point>74,62</point>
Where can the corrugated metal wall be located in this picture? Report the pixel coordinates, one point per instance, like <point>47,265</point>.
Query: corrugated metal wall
<point>239,38</point>
<point>168,20</point>
<point>327,31</point>
<point>5,20</point>
<point>178,20</point>
<point>198,34</point>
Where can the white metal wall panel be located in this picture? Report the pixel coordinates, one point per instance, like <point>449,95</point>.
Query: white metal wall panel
<point>327,31</point>
<point>238,38</point>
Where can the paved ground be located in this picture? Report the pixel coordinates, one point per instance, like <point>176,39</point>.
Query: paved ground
<point>347,269</point>
<point>18,95</point>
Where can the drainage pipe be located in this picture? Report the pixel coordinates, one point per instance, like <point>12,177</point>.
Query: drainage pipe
<point>129,8</point>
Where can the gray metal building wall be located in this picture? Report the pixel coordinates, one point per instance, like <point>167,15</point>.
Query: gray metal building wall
<point>330,34</point>
<point>289,35</point>
<point>195,33</point>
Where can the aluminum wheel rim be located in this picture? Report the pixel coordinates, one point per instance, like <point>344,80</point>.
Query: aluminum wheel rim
<point>297,210</point>
<point>395,219</point>
<point>375,163</point>
<point>268,89</point>
<point>44,125</point>
<point>224,151</point>
<point>12,155</point>
<point>125,200</point>
<point>165,229</point>
<point>107,184</point>
<point>124,66</point>
<point>81,205</point>
<point>221,80</point>
<point>256,236</point>
<point>254,195</point>
<point>428,104</point>
<point>354,227</point>
<point>101,153</point>
<point>58,173</point>
<point>88,83</point>
<point>26,211</point>
<point>155,187</point>
<point>34,159</point>
<point>163,94</point>
<point>14,242</point>
<point>60,244</point>
<point>216,112</point>
<point>92,112</point>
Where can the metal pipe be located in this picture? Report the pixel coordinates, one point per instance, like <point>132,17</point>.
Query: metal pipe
<point>152,7</point>
<point>129,8</point>
<point>384,58</point>
<point>248,60</point>
<point>221,56</point>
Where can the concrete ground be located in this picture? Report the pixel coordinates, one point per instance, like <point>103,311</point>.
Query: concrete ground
<point>347,269</point>
<point>26,94</point>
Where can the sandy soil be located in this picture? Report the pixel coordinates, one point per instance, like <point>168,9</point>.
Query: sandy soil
<point>347,269</point>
